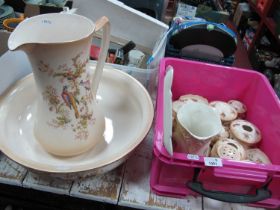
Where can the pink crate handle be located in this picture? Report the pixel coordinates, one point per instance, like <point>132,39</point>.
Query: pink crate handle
<point>261,193</point>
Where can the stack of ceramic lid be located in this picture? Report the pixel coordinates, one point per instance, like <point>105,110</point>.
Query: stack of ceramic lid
<point>229,149</point>
<point>5,13</point>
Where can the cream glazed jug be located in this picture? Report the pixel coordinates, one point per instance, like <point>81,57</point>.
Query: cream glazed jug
<point>68,120</point>
<point>196,125</point>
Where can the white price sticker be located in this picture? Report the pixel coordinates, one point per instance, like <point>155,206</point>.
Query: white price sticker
<point>213,162</point>
<point>192,157</point>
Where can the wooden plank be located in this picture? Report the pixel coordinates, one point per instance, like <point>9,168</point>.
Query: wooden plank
<point>43,182</point>
<point>235,206</point>
<point>136,192</point>
<point>104,188</point>
<point>210,204</point>
<point>10,172</point>
<point>145,149</point>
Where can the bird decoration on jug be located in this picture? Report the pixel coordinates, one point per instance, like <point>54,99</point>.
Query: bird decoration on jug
<point>70,100</point>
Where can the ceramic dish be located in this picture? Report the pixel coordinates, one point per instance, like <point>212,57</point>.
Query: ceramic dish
<point>6,17</point>
<point>128,111</point>
<point>11,23</point>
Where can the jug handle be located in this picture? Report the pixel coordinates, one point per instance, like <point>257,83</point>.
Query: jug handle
<point>101,23</point>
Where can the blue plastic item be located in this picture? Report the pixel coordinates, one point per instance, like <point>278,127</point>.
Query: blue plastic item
<point>197,32</point>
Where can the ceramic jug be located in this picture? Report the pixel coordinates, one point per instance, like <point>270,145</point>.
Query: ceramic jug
<point>196,125</point>
<point>68,120</point>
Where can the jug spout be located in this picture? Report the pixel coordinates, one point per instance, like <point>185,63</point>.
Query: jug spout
<point>19,40</point>
<point>47,29</point>
<point>15,42</point>
<point>26,47</point>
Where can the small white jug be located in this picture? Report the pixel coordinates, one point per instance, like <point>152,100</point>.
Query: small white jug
<point>196,125</point>
<point>68,121</point>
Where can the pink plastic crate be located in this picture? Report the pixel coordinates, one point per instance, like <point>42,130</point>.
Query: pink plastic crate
<point>255,184</point>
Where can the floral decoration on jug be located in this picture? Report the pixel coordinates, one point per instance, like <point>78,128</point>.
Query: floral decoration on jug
<point>74,98</point>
